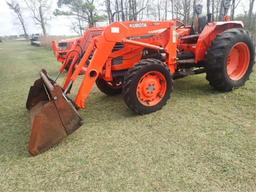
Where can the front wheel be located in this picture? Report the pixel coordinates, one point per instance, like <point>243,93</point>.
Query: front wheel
<point>147,86</point>
<point>230,60</point>
<point>109,88</point>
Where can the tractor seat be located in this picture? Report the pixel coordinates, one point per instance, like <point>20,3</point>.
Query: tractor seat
<point>197,27</point>
<point>199,23</point>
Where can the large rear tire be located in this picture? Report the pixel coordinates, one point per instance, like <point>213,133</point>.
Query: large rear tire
<point>147,86</point>
<point>230,60</point>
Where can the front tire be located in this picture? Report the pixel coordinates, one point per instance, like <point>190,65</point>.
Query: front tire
<point>147,86</point>
<point>109,88</point>
<point>230,60</point>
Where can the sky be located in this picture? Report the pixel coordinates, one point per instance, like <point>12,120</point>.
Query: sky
<point>9,25</point>
<point>60,25</point>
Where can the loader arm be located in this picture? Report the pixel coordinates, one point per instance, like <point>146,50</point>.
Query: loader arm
<point>55,48</point>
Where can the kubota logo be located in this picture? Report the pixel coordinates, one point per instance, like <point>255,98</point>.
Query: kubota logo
<point>157,30</point>
<point>137,25</point>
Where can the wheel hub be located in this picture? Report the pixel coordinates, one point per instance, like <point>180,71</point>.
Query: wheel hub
<point>151,88</point>
<point>238,61</point>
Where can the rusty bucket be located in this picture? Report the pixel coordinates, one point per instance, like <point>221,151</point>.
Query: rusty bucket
<point>53,116</point>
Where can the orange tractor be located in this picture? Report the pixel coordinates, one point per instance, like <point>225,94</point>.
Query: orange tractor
<point>139,59</point>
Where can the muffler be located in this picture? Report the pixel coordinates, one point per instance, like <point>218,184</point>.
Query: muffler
<point>53,116</point>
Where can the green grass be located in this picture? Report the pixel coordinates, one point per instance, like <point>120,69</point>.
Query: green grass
<point>201,140</point>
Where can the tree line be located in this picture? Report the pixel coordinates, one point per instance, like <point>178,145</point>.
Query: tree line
<point>86,13</point>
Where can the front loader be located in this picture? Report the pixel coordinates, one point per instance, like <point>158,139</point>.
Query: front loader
<point>69,51</point>
<point>140,59</point>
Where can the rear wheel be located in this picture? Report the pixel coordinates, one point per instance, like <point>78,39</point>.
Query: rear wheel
<point>147,86</point>
<point>109,88</point>
<point>230,60</point>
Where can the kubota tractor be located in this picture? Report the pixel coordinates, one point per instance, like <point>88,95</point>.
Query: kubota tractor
<point>139,59</point>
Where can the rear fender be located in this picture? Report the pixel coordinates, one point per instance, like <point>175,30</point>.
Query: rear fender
<point>209,33</point>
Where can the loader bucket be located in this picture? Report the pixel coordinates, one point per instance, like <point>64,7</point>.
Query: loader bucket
<point>52,115</point>
<point>37,92</point>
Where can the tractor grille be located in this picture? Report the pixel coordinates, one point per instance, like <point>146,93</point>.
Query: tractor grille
<point>62,45</point>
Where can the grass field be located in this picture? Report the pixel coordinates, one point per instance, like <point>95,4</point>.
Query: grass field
<point>201,140</point>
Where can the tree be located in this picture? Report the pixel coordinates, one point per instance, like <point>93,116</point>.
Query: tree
<point>16,8</point>
<point>250,13</point>
<point>109,10</point>
<point>182,10</point>
<point>232,14</point>
<point>194,6</point>
<point>224,7</point>
<point>84,11</point>
<point>208,7</point>
<point>234,5</point>
<point>172,8</point>
<point>123,10</point>
<point>213,13</point>
<point>39,10</point>
<point>116,11</point>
